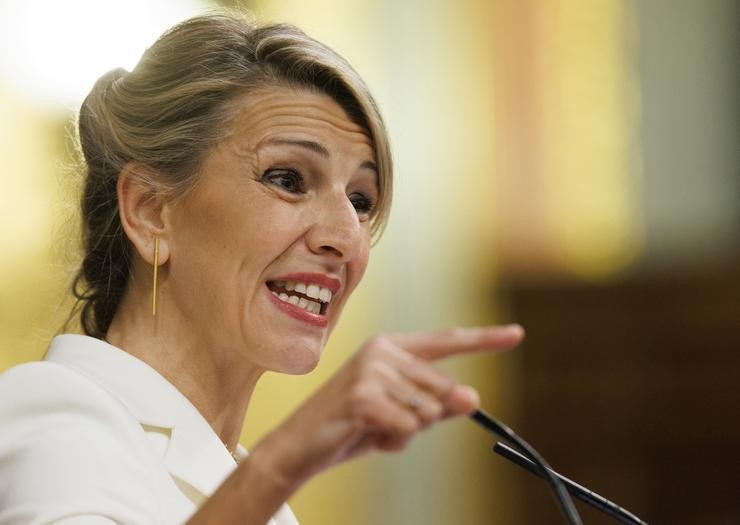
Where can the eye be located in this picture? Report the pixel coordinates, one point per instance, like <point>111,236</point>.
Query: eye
<point>286,179</point>
<point>362,203</point>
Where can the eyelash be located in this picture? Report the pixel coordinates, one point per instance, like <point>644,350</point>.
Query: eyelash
<point>270,176</point>
<point>360,201</point>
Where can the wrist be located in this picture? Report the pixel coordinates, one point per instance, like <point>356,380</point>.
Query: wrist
<point>277,461</point>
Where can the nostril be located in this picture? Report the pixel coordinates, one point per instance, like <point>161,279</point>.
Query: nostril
<point>329,248</point>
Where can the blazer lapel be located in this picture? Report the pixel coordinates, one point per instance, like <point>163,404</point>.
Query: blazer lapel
<point>195,454</point>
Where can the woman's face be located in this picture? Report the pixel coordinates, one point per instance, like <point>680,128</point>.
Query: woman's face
<point>268,246</point>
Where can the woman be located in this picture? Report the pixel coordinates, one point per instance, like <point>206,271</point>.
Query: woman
<point>235,179</point>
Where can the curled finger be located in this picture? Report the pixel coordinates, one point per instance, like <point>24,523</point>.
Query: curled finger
<point>424,406</point>
<point>382,414</point>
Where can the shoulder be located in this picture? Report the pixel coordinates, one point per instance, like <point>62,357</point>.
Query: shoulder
<point>39,396</point>
<point>43,381</point>
<point>68,447</point>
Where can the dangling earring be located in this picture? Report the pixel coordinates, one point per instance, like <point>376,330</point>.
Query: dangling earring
<point>154,280</point>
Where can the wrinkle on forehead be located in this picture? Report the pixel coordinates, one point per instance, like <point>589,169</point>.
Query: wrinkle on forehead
<point>299,113</point>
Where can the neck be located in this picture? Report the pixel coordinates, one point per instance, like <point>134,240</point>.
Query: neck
<point>219,383</point>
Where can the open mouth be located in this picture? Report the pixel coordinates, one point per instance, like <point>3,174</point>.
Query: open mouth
<point>310,297</point>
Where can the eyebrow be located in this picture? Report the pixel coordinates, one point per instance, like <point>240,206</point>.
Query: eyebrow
<point>306,144</point>
<point>315,147</point>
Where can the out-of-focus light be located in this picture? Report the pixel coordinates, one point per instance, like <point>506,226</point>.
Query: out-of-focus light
<point>53,51</point>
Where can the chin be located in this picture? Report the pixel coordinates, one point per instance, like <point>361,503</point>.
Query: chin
<point>300,360</point>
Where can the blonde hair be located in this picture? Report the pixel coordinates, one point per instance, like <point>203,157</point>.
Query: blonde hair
<point>170,110</point>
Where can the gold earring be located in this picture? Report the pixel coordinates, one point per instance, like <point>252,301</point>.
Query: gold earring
<point>154,280</point>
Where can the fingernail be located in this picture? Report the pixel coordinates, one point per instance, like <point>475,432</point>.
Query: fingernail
<point>472,394</point>
<point>514,328</point>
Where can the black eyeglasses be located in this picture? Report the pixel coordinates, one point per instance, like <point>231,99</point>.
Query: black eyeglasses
<point>531,460</point>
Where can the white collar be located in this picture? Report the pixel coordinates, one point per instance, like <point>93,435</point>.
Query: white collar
<point>195,453</point>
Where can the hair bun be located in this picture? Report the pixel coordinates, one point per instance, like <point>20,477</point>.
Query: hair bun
<point>112,76</point>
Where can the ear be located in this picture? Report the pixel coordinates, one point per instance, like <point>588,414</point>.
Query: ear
<point>140,208</point>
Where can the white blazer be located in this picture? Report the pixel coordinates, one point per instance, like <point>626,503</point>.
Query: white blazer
<point>94,436</point>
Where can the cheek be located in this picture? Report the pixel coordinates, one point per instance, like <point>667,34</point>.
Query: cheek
<point>362,261</point>
<point>355,272</point>
<point>229,252</point>
<point>207,245</point>
<point>268,231</point>
<point>234,224</point>
<point>356,269</point>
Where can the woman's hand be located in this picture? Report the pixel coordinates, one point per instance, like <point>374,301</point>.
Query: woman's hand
<point>379,399</point>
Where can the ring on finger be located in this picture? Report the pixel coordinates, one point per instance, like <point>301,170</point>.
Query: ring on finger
<point>415,402</point>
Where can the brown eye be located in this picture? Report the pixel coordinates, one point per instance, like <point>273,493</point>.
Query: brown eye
<point>287,180</point>
<point>362,203</point>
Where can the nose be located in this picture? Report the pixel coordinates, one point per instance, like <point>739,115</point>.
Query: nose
<point>335,229</point>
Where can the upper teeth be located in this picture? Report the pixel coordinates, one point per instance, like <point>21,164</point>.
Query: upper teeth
<point>313,291</point>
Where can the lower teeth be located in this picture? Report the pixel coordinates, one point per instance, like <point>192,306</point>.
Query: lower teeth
<point>309,306</point>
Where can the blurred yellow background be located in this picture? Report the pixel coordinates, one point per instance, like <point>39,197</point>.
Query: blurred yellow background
<point>540,145</point>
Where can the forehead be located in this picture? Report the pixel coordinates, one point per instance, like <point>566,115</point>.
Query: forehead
<point>283,112</point>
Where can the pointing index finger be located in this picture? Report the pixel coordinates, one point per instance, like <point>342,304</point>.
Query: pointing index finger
<point>456,341</point>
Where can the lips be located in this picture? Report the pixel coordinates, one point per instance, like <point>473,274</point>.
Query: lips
<point>304,296</point>
<point>311,297</point>
<point>331,283</point>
